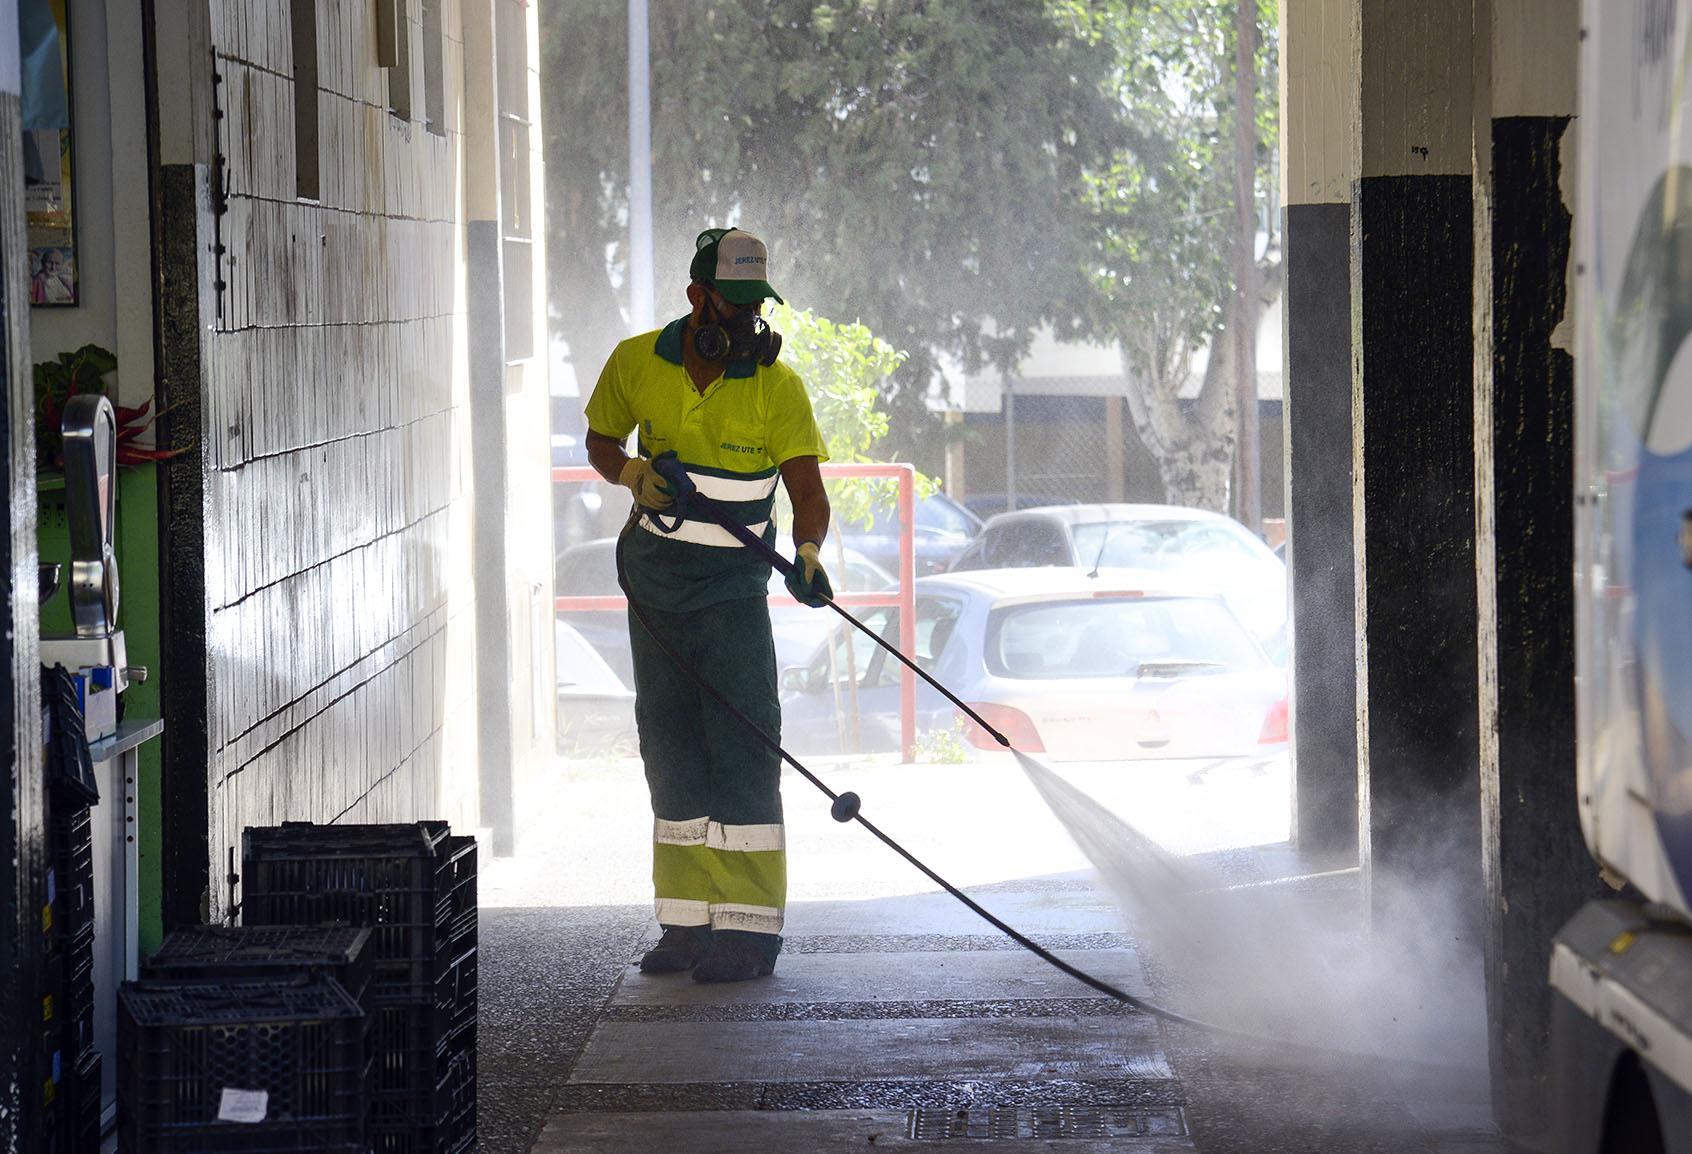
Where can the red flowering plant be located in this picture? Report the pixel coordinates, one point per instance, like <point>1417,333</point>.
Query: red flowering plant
<point>84,371</point>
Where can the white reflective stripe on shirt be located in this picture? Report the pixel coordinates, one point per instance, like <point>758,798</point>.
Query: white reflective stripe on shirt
<point>683,912</point>
<point>702,532</point>
<point>734,488</point>
<point>746,838</point>
<point>752,919</point>
<point>689,832</point>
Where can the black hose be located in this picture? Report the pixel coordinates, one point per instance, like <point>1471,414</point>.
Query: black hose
<point>690,497</point>
<point>997,923</point>
<point>845,806</point>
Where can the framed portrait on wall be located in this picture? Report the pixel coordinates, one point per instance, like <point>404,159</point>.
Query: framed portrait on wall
<point>48,155</point>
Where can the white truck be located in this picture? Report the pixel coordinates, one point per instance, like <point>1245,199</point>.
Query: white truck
<point>1621,970</point>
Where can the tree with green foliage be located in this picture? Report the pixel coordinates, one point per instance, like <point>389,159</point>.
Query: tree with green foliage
<point>952,173</point>
<point>1163,208</point>
<point>844,367</point>
<point>913,165</point>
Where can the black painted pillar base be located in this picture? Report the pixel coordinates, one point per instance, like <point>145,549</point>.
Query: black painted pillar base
<point>187,308</point>
<point>1413,447</point>
<point>1538,870</point>
<point>1319,523</point>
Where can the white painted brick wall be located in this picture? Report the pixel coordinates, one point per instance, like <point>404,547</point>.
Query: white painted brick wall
<point>342,636</point>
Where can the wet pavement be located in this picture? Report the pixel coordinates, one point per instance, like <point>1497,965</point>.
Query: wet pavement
<point>896,1018</point>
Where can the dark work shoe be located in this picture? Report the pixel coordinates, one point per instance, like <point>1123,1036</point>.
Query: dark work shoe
<point>732,959</point>
<point>678,950</point>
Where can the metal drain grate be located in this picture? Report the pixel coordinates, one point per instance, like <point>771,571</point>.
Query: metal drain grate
<point>937,1124</point>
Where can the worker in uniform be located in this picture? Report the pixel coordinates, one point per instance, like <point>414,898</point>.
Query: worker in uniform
<point>708,388</point>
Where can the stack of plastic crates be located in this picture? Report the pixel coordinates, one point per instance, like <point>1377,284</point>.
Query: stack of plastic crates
<point>69,1063</point>
<point>69,1066</point>
<point>415,886</point>
<point>222,1066</point>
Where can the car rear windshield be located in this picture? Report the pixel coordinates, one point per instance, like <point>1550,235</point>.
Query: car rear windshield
<point>1162,545</point>
<point>1118,637</point>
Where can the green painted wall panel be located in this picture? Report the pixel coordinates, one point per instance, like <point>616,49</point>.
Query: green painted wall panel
<point>137,548</point>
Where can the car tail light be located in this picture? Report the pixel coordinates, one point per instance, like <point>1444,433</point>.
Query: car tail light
<point>1275,725</point>
<point>1016,725</point>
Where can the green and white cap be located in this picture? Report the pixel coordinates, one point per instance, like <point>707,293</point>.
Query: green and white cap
<point>736,263</point>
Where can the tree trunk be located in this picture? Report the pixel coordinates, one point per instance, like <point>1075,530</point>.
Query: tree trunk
<point>1192,444</point>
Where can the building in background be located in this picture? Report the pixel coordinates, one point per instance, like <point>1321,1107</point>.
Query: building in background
<point>1064,416</point>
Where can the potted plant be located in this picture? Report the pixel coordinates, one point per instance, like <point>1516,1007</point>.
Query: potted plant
<point>85,371</point>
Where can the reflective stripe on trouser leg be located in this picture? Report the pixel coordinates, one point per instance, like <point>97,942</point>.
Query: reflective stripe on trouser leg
<point>740,870</point>
<point>681,884</point>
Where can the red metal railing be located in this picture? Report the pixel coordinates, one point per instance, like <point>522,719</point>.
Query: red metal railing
<point>904,598</point>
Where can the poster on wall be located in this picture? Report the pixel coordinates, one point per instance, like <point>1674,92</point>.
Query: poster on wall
<point>49,205</point>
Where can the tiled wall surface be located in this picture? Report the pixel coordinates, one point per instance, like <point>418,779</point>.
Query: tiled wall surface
<point>338,513</point>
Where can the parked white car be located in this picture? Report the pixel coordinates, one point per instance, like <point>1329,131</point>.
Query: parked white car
<point>1123,664</point>
<point>1192,549</point>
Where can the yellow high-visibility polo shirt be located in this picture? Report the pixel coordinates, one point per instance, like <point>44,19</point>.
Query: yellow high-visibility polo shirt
<point>733,438</point>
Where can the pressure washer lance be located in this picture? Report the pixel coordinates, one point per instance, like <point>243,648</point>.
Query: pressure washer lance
<point>845,806</point>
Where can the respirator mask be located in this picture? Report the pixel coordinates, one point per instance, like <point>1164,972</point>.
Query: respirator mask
<point>745,336</point>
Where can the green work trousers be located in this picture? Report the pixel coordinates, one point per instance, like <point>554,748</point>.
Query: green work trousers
<point>719,858</point>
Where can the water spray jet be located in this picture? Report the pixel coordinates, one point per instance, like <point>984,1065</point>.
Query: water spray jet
<point>1150,861</point>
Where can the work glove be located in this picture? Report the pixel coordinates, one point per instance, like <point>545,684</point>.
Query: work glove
<point>807,581</point>
<point>650,490</point>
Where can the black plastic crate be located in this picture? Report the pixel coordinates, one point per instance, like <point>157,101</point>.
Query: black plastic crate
<point>47,1128</point>
<point>423,1082</point>
<point>456,883</point>
<point>416,885</point>
<point>455,993</point>
<point>70,828</point>
<point>68,992</point>
<point>77,957</point>
<point>76,954</point>
<point>405,1039</point>
<point>385,877</point>
<point>83,1133</point>
<point>70,871</point>
<point>445,1125</point>
<point>247,953</point>
<point>181,1043</point>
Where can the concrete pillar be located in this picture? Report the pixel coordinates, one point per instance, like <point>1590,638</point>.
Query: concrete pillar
<point>1537,869</point>
<point>1318,99</point>
<point>1413,464</point>
<point>485,339</point>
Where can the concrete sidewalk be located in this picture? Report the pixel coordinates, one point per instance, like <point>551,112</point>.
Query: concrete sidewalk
<point>896,1017</point>
<point>868,1035</point>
